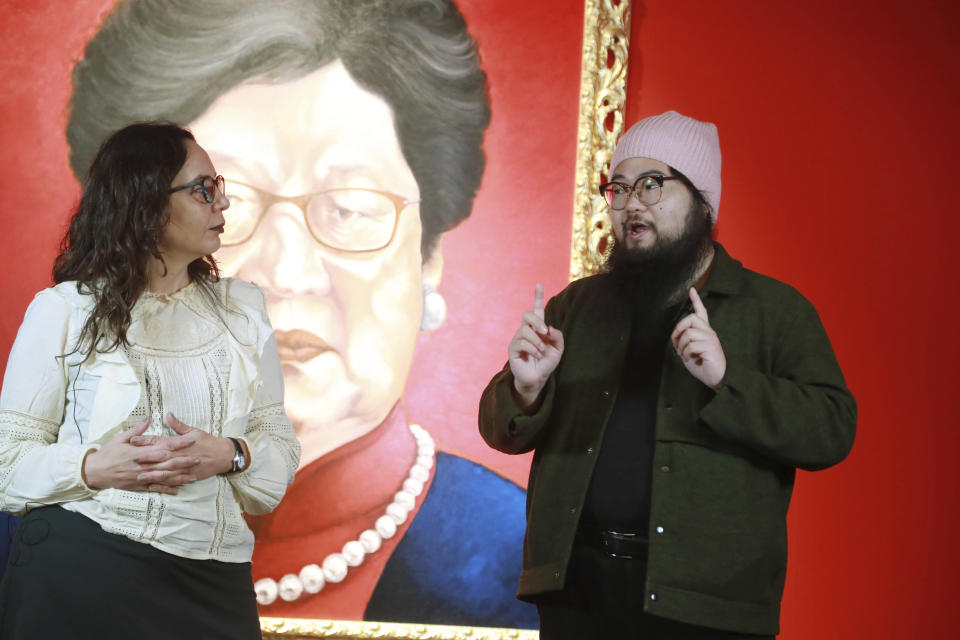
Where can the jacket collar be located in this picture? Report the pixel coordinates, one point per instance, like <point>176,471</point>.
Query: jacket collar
<point>726,274</point>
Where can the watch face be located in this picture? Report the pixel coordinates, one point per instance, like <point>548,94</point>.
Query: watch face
<point>238,458</point>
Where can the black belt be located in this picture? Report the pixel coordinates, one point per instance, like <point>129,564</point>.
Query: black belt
<point>616,544</point>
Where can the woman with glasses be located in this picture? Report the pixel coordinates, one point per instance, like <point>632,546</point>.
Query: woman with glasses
<point>142,413</point>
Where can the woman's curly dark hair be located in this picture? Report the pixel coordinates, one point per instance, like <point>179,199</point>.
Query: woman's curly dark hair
<point>123,211</point>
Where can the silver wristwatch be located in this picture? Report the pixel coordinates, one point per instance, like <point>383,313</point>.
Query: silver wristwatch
<point>239,460</point>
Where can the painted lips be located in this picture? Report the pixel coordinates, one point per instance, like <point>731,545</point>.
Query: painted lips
<point>299,345</point>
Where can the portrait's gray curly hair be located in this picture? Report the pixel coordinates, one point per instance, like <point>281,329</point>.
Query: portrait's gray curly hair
<point>170,59</point>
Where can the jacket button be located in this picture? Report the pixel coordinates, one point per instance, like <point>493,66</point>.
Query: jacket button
<point>665,468</point>
<point>668,406</point>
<point>573,509</point>
<point>605,393</point>
<point>589,451</point>
<point>659,529</point>
<point>653,596</point>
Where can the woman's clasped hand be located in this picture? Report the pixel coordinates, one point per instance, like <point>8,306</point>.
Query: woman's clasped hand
<point>159,463</point>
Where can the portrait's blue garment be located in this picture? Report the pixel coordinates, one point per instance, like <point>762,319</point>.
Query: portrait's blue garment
<point>459,562</point>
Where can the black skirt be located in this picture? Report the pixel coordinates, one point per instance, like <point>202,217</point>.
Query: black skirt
<point>68,578</point>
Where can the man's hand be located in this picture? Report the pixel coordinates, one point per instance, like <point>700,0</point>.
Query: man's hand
<point>135,462</point>
<point>534,352</point>
<point>698,346</point>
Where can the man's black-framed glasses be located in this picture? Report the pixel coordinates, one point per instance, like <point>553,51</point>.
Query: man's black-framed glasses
<point>648,189</point>
<point>346,219</point>
<point>205,189</point>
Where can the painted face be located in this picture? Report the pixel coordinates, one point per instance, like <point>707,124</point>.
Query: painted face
<point>346,321</point>
<point>195,226</point>
<point>642,227</point>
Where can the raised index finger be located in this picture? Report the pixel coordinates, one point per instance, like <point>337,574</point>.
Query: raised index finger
<point>698,308</point>
<point>538,300</point>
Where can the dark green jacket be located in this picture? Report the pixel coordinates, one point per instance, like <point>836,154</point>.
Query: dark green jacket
<point>724,462</point>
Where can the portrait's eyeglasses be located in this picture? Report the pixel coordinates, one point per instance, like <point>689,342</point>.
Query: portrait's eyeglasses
<point>648,189</point>
<point>204,189</point>
<point>344,219</point>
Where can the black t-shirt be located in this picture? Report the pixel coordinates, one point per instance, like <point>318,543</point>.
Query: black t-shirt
<point>619,493</point>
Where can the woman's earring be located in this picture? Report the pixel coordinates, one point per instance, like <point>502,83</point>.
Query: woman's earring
<point>434,309</point>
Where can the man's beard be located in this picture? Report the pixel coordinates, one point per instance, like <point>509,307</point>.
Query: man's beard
<point>658,275</point>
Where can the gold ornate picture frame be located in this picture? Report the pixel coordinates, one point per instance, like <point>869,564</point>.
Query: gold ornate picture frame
<point>602,98</point>
<point>304,629</point>
<point>603,94</point>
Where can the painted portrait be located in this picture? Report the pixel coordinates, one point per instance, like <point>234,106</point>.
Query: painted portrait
<point>350,137</point>
<point>353,137</point>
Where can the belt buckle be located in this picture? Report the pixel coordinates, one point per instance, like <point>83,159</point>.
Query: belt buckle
<point>607,539</point>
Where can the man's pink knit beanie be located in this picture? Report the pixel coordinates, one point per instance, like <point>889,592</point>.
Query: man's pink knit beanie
<point>689,146</point>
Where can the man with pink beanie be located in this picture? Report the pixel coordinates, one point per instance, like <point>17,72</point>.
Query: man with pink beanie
<point>669,402</point>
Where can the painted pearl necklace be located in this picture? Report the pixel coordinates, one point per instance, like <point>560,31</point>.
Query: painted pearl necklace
<point>334,568</point>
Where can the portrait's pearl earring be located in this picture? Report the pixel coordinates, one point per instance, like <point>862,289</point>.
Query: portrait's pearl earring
<point>434,309</point>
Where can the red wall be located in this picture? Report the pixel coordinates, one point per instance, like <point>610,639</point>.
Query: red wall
<point>835,119</point>
<point>838,127</point>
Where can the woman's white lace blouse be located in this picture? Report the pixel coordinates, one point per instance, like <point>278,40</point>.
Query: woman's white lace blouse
<point>213,368</point>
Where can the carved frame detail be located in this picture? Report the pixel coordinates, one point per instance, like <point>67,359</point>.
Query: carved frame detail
<point>603,82</point>
<point>297,629</point>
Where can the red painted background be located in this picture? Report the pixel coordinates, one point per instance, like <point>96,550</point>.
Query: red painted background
<point>837,122</point>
